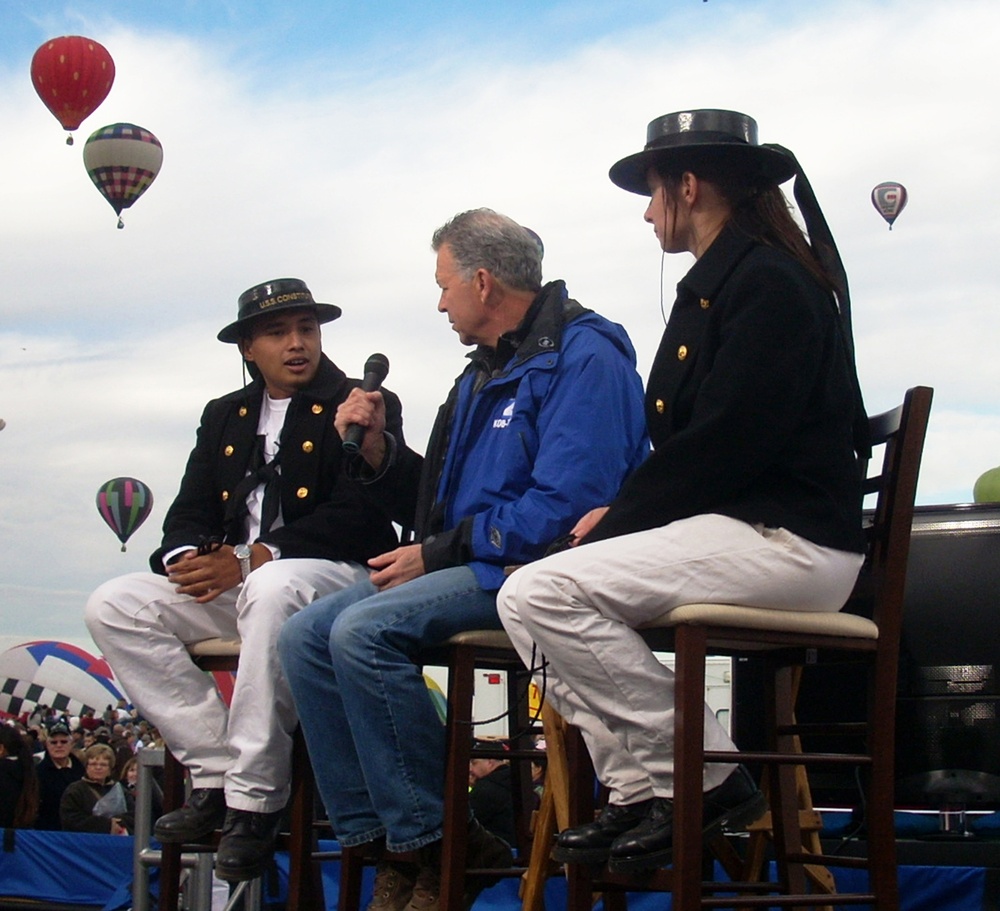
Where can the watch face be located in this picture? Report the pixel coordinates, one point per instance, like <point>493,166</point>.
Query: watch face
<point>241,551</point>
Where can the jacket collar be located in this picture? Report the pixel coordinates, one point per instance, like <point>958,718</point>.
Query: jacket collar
<point>540,331</point>
<point>329,378</point>
<point>709,273</point>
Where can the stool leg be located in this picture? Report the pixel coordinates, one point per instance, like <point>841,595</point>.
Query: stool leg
<point>170,855</point>
<point>352,865</point>
<point>305,884</point>
<point>461,682</point>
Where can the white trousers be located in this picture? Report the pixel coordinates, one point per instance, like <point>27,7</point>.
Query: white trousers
<point>142,626</point>
<point>581,608</point>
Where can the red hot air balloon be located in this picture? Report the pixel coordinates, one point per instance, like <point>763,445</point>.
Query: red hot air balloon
<point>122,160</point>
<point>889,199</point>
<point>72,76</point>
<point>124,504</point>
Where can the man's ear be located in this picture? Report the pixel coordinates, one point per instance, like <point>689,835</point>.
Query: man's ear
<point>484,283</point>
<point>244,346</point>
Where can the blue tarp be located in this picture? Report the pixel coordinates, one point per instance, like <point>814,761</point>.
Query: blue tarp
<point>96,870</point>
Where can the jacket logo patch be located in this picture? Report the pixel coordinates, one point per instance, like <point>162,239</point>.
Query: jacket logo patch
<point>505,416</point>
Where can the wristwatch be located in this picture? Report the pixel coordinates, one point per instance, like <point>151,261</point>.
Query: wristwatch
<point>242,553</point>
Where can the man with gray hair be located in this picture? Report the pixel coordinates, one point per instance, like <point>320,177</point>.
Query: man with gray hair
<point>544,423</point>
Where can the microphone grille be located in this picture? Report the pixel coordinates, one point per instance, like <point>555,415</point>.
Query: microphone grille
<point>377,364</point>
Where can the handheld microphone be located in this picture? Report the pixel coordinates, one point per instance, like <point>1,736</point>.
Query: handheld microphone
<point>376,368</point>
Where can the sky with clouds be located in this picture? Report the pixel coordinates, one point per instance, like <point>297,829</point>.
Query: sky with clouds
<point>326,140</point>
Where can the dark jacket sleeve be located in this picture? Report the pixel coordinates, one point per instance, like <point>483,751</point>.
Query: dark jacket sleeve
<point>396,486</point>
<point>197,510</point>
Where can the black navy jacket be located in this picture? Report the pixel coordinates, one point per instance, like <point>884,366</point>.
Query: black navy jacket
<point>326,516</point>
<point>750,404</point>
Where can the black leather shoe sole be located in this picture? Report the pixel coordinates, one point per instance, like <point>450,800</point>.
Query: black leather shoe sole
<point>243,872</point>
<point>176,835</point>
<point>565,855</point>
<point>733,819</point>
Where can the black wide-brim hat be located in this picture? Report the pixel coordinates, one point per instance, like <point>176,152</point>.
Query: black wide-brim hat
<point>272,297</point>
<point>708,137</point>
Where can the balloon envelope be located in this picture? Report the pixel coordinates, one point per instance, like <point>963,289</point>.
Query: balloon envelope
<point>889,199</point>
<point>72,76</point>
<point>122,160</point>
<point>124,504</point>
<point>55,674</point>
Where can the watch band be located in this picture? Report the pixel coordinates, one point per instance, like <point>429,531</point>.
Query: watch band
<point>242,554</point>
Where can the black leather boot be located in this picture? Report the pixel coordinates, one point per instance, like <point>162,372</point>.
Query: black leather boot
<point>591,842</point>
<point>247,844</point>
<point>732,805</point>
<point>201,815</point>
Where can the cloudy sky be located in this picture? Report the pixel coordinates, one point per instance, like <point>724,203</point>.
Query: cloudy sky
<point>326,140</point>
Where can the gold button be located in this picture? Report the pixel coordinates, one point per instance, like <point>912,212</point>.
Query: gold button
<point>682,352</point>
<point>228,450</point>
<point>243,411</point>
<point>660,407</point>
<point>307,446</point>
<point>705,303</point>
<point>225,495</point>
<point>317,409</point>
<point>302,493</point>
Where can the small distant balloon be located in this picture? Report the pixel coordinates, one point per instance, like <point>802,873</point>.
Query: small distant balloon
<point>889,199</point>
<point>72,76</point>
<point>122,160</point>
<point>124,504</point>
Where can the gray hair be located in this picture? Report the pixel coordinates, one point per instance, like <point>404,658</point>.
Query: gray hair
<point>484,239</point>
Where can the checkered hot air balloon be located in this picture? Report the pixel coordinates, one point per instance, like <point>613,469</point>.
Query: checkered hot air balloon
<point>122,160</point>
<point>124,504</point>
<point>56,674</point>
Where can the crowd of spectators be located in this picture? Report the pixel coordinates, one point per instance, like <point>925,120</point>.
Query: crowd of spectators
<point>55,767</point>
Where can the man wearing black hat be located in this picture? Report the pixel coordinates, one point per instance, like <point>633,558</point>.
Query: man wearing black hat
<point>58,769</point>
<point>264,523</point>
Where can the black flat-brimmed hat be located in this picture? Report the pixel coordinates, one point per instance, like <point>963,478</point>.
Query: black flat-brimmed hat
<point>270,297</point>
<point>687,139</point>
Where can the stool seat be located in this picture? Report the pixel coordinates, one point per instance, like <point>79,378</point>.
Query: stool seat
<point>743,617</point>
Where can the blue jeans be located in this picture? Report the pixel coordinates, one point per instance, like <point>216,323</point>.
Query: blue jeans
<point>374,737</point>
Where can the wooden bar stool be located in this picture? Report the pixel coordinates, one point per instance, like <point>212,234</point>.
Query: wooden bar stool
<point>305,886</point>
<point>866,632</point>
<point>464,655</point>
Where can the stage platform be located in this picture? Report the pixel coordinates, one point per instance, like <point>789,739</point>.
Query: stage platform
<point>62,871</point>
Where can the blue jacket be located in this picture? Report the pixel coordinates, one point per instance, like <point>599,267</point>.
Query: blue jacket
<point>531,437</point>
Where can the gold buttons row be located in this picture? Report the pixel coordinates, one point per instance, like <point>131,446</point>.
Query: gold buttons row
<point>301,493</point>
<point>316,409</point>
<point>307,446</point>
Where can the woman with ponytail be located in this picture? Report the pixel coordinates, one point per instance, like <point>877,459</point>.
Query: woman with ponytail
<point>751,496</point>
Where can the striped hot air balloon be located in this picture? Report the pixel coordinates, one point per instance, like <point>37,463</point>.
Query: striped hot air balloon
<point>124,504</point>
